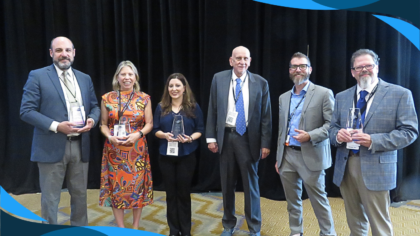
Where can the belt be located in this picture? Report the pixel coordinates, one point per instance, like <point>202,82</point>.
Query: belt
<point>351,153</point>
<point>232,130</point>
<point>297,148</point>
<point>74,138</point>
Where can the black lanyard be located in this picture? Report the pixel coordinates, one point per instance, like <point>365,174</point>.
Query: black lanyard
<point>240,91</point>
<point>121,112</point>
<point>293,113</point>
<point>363,109</point>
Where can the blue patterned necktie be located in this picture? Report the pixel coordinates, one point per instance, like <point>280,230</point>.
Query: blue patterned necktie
<point>240,120</point>
<point>360,104</point>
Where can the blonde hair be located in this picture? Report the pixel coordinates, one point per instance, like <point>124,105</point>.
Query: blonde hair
<point>116,85</point>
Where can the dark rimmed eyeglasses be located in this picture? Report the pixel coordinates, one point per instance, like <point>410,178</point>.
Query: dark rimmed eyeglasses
<point>301,67</point>
<point>367,67</point>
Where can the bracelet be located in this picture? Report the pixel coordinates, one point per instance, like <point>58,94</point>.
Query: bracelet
<point>191,139</point>
<point>109,137</point>
<point>141,134</point>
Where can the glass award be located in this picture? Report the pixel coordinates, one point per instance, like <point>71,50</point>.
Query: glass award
<point>177,126</point>
<point>77,114</point>
<point>354,125</point>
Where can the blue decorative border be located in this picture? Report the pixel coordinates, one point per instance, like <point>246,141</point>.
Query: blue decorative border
<point>411,32</point>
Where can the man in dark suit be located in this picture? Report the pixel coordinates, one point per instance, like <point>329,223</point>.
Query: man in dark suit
<point>367,172</point>
<point>303,148</point>
<point>239,128</point>
<point>61,103</point>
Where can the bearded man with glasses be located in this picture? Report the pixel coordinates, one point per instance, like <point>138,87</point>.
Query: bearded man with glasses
<point>303,149</point>
<point>365,174</point>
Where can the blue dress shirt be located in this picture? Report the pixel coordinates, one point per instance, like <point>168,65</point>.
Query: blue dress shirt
<point>294,122</point>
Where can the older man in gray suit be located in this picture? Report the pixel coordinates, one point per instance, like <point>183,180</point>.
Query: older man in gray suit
<point>303,149</point>
<point>366,173</point>
<point>239,129</point>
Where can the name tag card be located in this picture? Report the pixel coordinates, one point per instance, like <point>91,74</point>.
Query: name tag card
<point>119,131</point>
<point>352,145</point>
<point>172,149</point>
<point>231,118</point>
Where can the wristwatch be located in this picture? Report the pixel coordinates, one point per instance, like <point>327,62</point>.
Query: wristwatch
<point>141,134</point>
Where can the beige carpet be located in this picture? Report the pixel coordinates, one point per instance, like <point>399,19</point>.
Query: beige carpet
<point>207,215</point>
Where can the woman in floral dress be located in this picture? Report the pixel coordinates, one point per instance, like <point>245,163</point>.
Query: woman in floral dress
<point>126,117</point>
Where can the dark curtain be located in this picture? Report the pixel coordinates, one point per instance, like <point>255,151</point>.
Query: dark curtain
<point>196,38</point>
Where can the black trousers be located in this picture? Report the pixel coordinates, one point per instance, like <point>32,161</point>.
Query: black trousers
<point>177,173</point>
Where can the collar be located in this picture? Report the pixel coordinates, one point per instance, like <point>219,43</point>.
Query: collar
<point>60,72</point>
<point>234,77</point>
<point>305,89</point>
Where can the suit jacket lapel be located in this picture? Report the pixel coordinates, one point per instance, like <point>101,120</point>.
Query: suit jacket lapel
<point>52,74</point>
<point>377,99</point>
<point>83,88</point>
<point>286,110</point>
<point>252,95</point>
<point>309,94</point>
<point>224,93</point>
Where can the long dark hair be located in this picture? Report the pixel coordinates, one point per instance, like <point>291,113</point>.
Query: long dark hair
<point>188,100</point>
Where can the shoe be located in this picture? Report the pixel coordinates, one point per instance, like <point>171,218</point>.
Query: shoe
<point>255,234</point>
<point>227,232</point>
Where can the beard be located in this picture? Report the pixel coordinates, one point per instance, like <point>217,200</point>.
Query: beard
<point>63,65</point>
<point>365,81</point>
<point>298,81</point>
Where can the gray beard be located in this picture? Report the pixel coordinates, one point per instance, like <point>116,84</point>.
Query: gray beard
<point>365,82</point>
<point>62,66</point>
<point>303,80</point>
<point>300,81</point>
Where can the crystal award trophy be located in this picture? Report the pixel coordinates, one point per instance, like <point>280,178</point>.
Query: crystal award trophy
<point>177,126</point>
<point>354,125</point>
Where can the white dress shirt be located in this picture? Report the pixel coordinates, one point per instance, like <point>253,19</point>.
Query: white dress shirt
<point>231,101</point>
<point>245,94</point>
<point>70,75</point>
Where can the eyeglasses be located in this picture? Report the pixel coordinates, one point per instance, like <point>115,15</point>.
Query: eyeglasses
<point>367,67</point>
<point>301,67</point>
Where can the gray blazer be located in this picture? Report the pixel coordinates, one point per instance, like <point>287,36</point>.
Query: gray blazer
<point>43,102</point>
<point>259,113</point>
<point>392,124</point>
<point>315,119</point>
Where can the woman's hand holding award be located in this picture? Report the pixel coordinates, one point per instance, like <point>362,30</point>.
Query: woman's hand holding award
<point>177,131</point>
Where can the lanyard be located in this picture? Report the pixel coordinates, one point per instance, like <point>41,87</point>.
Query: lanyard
<point>121,112</point>
<point>240,91</point>
<point>370,96</point>
<point>293,113</point>
<point>74,86</point>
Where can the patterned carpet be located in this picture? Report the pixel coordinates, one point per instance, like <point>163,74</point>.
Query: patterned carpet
<point>207,214</point>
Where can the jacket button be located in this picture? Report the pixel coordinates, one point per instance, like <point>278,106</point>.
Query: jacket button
<point>65,115</point>
<point>345,158</point>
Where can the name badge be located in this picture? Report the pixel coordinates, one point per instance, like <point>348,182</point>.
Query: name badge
<point>172,149</point>
<point>287,140</point>
<point>77,116</point>
<point>352,145</point>
<point>119,131</point>
<point>231,118</point>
